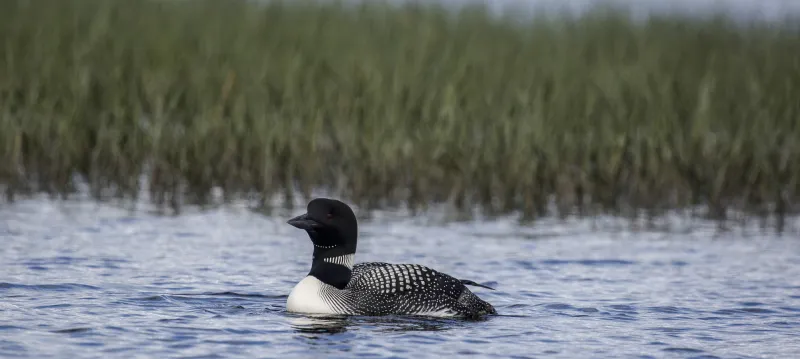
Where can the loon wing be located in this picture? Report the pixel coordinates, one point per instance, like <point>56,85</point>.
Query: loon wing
<point>378,288</point>
<point>361,268</point>
<point>469,282</point>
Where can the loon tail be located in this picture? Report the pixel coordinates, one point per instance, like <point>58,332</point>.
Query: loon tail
<point>469,282</point>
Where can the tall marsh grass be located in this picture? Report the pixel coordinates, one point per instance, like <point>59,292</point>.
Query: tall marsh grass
<point>387,105</point>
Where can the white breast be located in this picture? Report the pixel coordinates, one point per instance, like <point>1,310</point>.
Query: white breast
<point>306,297</point>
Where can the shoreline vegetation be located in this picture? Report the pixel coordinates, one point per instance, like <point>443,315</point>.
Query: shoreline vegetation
<point>398,105</point>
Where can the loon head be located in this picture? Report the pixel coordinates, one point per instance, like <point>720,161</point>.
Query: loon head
<point>331,225</point>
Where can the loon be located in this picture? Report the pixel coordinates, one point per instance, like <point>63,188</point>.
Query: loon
<point>334,285</point>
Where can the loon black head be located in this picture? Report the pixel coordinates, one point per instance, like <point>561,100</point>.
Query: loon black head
<point>333,228</point>
<point>331,224</point>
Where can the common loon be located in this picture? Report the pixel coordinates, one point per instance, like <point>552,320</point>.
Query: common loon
<point>334,285</point>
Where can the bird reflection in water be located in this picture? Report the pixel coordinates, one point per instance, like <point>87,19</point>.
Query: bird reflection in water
<point>320,324</point>
<point>338,324</point>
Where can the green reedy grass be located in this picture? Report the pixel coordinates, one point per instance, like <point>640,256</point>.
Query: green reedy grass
<point>406,104</point>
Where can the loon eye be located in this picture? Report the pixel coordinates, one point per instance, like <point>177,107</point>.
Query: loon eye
<point>329,215</point>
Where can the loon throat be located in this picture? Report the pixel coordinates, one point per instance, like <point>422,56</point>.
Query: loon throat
<point>332,267</point>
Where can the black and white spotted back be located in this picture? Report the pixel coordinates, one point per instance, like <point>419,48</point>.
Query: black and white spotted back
<point>379,288</point>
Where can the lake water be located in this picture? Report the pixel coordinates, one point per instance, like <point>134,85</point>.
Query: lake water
<point>740,9</point>
<point>81,280</point>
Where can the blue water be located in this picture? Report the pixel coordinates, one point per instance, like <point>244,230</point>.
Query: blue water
<point>81,280</point>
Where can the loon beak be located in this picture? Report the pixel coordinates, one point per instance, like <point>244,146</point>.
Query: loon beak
<point>304,222</point>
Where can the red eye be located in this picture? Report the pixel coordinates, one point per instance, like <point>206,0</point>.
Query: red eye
<point>330,215</point>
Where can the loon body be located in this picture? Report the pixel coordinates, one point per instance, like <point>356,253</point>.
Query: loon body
<point>335,285</point>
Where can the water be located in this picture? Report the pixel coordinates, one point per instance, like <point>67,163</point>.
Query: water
<point>81,280</point>
<point>769,10</point>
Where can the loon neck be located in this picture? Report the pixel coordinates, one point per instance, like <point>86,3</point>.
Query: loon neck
<point>333,267</point>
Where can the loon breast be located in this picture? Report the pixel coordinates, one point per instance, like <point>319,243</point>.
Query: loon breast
<point>306,297</point>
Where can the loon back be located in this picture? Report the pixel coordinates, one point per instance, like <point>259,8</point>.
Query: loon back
<point>412,289</point>
<point>335,286</point>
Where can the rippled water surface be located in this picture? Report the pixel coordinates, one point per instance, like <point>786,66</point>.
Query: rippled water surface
<point>82,280</point>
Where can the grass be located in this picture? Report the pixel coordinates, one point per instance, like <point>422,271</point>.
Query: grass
<point>389,105</point>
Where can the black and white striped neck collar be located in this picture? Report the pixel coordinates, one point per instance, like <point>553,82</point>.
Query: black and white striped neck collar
<point>342,260</point>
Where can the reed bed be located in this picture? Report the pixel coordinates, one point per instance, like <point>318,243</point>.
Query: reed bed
<point>398,105</point>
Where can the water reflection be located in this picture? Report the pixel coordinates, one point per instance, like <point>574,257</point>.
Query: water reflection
<point>319,324</point>
<point>327,324</point>
<point>413,324</point>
